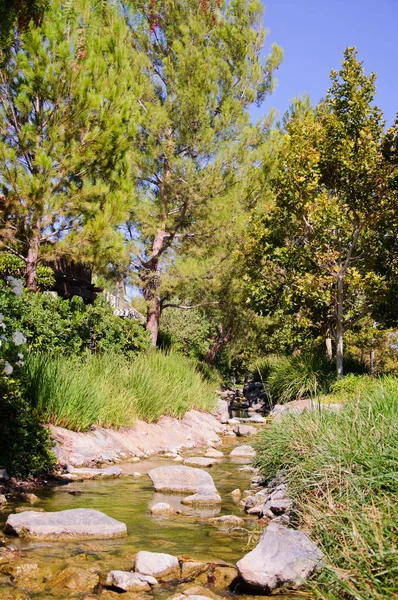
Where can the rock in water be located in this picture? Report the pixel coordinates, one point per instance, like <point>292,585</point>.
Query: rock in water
<point>227,522</point>
<point>242,430</point>
<point>157,564</point>
<point>200,461</point>
<point>78,523</point>
<point>243,452</point>
<point>181,479</point>
<point>163,508</point>
<point>202,499</point>
<point>213,453</point>
<point>282,558</point>
<point>130,582</point>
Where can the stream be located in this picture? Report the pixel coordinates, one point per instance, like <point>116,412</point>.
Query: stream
<point>129,499</point>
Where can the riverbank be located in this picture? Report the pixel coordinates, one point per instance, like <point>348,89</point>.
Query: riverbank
<point>341,473</point>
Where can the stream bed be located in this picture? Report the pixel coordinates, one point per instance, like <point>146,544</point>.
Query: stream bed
<point>129,499</point>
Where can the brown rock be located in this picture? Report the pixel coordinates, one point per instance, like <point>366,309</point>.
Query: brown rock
<point>219,577</point>
<point>75,579</point>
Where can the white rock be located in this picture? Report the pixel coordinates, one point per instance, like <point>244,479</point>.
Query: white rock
<point>243,430</point>
<point>282,558</point>
<point>157,564</point>
<point>130,582</point>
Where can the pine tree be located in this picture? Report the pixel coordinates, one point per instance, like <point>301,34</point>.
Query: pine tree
<point>195,146</point>
<point>68,105</point>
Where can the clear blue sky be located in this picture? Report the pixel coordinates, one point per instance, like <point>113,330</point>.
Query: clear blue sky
<point>314,34</point>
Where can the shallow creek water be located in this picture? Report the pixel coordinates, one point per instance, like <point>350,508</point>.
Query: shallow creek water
<point>129,499</point>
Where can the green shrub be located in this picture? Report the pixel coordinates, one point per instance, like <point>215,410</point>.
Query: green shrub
<point>112,391</point>
<point>25,446</point>
<point>341,469</point>
<point>51,324</point>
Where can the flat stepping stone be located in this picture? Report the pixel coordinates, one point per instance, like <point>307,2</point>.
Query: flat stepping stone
<point>243,452</point>
<point>81,474</point>
<point>78,523</point>
<point>157,564</point>
<point>200,461</point>
<point>202,499</point>
<point>181,479</point>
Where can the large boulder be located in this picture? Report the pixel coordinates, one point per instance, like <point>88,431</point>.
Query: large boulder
<point>282,558</point>
<point>221,411</point>
<point>181,479</point>
<point>78,523</point>
<point>157,564</point>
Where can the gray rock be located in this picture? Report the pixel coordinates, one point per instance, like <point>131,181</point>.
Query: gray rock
<point>80,474</point>
<point>277,506</point>
<point>78,523</point>
<point>200,461</point>
<point>202,499</point>
<point>243,430</point>
<point>3,475</point>
<point>282,558</point>
<point>244,451</point>
<point>130,582</point>
<point>181,479</point>
<point>221,411</point>
<point>157,564</point>
<point>163,508</point>
<point>227,521</point>
<point>213,453</point>
<point>258,419</point>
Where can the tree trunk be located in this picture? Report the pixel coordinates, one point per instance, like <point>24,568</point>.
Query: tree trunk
<point>150,288</point>
<point>372,361</point>
<point>31,263</point>
<point>340,327</point>
<point>329,347</point>
<point>218,345</point>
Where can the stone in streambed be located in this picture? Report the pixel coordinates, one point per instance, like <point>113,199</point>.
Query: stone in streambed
<point>202,499</point>
<point>282,558</point>
<point>200,461</point>
<point>219,577</point>
<point>227,521</point>
<point>75,579</point>
<point>163,508</point>
<point>213,453</point>
<point>191,569</point>
<point>130,582</point>
<point>78,523</point>
<point>157,564</point>
<point>81,474</point>
<point>243,452</point>
<point>181,479</point>
<point>243,430</point>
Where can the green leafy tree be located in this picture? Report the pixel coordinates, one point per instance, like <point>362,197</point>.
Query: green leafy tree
<point>67,106</point>
<point>319,249</point>
<point>196,145</point>
<point>19,14</point>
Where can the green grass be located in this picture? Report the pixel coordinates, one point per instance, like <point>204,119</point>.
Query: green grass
<point>342,470</point>
<point>112,391</point>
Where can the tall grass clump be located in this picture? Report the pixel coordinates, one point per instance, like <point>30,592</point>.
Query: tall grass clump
<point>112,391</point>
<point>288,378</point>
<point>342,473</point>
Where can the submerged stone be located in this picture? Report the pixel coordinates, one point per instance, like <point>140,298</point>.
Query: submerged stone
<point>202,499</point>
<point>244,452</point>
